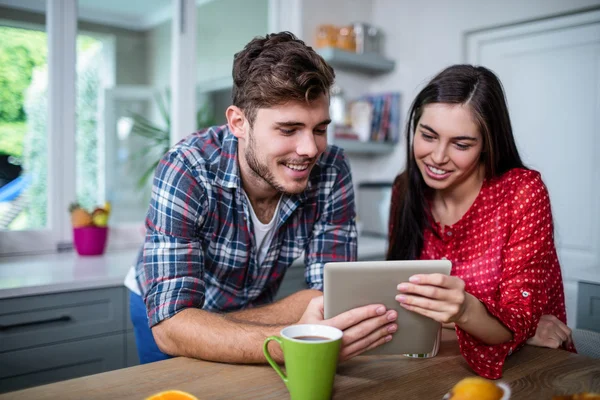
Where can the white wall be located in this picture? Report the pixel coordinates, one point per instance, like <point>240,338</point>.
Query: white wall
<point>337,12</point>
<point>424,38</point>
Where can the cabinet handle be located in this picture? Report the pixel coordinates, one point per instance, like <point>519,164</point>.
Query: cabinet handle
<point>64,318</point>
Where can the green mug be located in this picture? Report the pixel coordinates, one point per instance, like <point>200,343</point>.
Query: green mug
<point>310,353</point>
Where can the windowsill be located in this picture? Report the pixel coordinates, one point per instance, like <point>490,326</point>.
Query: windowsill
<point>60,272</point>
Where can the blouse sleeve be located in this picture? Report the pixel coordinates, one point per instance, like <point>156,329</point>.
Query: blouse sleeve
<point>527,273</point>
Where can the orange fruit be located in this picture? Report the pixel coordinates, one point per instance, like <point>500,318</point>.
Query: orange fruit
<point>172,395</point>
<point>80,218</point>
<point>476,388</point>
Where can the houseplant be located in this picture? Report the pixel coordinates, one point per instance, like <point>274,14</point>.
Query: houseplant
<point>158,133</point>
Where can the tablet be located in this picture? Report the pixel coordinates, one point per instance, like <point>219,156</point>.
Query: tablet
<point>348,285</point>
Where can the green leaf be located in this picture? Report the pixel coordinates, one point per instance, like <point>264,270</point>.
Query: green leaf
<point>146,175</point>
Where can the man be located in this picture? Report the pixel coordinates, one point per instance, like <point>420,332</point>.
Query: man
<point>233,206</point>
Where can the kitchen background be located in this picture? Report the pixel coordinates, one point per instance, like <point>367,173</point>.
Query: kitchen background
<point>131,66</point>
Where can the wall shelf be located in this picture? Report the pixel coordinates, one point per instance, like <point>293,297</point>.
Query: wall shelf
<point>365,148</point>
<point>369,63</point>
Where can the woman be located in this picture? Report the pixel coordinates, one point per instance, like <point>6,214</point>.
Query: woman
<point>466,196</point>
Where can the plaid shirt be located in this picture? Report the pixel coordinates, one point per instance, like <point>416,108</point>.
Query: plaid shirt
<point>199,249</point>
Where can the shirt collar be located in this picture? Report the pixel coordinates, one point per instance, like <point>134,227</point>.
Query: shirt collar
<point>228,174</point>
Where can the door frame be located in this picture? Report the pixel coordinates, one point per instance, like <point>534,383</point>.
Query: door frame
<point>474,40</point>
<point>124,235</point>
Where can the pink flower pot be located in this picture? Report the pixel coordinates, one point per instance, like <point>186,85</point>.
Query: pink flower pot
<point>90,240</point>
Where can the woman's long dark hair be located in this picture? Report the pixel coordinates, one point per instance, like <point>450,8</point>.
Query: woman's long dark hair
<point>481,90</point>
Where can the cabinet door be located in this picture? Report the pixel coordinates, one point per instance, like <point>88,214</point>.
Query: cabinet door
<point>131,355</point>
<point>41,365</point>
<point>588,310</point>
<point>38,320</point>
<point>126,312</point>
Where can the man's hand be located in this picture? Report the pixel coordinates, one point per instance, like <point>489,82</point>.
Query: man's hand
<point>364,327</point>
<point>551,332</point>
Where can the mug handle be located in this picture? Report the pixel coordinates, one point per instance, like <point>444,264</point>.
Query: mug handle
<point>270,359</point>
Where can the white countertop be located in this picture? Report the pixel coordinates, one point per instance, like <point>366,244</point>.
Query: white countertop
<point>41,274</point>
<point>51,273</point>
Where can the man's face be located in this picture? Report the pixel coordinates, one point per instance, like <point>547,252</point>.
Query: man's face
<point>284,144</point>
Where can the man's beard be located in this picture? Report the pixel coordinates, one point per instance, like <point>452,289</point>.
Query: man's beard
<point>260,170</point>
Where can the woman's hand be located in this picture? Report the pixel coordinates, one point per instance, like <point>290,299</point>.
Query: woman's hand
<point>551,332</point>
<point>437,296</point>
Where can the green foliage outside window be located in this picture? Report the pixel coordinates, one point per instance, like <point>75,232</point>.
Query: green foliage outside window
<point>21,51</point>
<point>24,111</point>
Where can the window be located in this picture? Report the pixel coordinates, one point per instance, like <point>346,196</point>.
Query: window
<point>77,96</point>
<point>23,130</point>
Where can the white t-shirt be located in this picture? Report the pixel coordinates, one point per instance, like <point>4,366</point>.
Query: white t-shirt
<point>263,233</point>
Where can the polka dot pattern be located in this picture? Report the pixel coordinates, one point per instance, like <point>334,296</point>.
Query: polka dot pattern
<point>503,248</point>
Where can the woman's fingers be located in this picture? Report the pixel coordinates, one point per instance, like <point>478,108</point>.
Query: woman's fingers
<point>440,280</point>
<point>432,292</point>
<point>446,311</point>
<point>565,330</point>
<point>435,315</point>
<point>550,332</point>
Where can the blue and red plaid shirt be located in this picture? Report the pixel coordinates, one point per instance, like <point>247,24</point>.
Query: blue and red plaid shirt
<point>199,249</point>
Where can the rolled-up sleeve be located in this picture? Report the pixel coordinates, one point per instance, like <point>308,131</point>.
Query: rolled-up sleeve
<point>334,233</point>
<point>527,268</point>
<point>171,274</point>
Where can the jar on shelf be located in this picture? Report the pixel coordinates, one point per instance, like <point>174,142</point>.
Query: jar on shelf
<point>337,106</point>
<point>368,38</point>
<point>326,36</point>
<point>345,39</point>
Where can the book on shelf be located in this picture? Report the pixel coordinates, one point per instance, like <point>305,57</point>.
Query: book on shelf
<point>385,120</point>
<point>376,120</point>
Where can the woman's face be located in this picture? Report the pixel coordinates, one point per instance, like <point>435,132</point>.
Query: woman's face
<point>447,145</point>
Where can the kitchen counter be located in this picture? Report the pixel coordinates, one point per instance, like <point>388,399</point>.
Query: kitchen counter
<point>52,273</point>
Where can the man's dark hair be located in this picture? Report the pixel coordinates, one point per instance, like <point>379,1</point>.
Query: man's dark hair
<point>277,69</point>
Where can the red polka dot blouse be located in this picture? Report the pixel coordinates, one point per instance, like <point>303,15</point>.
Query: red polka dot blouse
<point>503,249</point>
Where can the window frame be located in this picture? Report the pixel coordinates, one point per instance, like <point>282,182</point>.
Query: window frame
<point>62,32</point>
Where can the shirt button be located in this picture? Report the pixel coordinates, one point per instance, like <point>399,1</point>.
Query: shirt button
<point>449,233</point>
<point>525,294</point>
<point>444,258</point>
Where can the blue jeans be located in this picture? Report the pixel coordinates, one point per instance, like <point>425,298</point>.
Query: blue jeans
<point>146,346</point>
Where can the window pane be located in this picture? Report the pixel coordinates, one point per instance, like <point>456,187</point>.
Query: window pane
<point>122,105</point>
<point>23,111</point>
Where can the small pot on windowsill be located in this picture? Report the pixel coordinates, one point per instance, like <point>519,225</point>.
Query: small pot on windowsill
<point>90,240</point>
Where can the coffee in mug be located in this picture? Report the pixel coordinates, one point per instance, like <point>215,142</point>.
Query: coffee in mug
<point>311,338</point>
<point>310,353</point>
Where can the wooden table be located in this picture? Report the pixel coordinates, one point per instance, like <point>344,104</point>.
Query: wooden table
<point>533,373</point>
